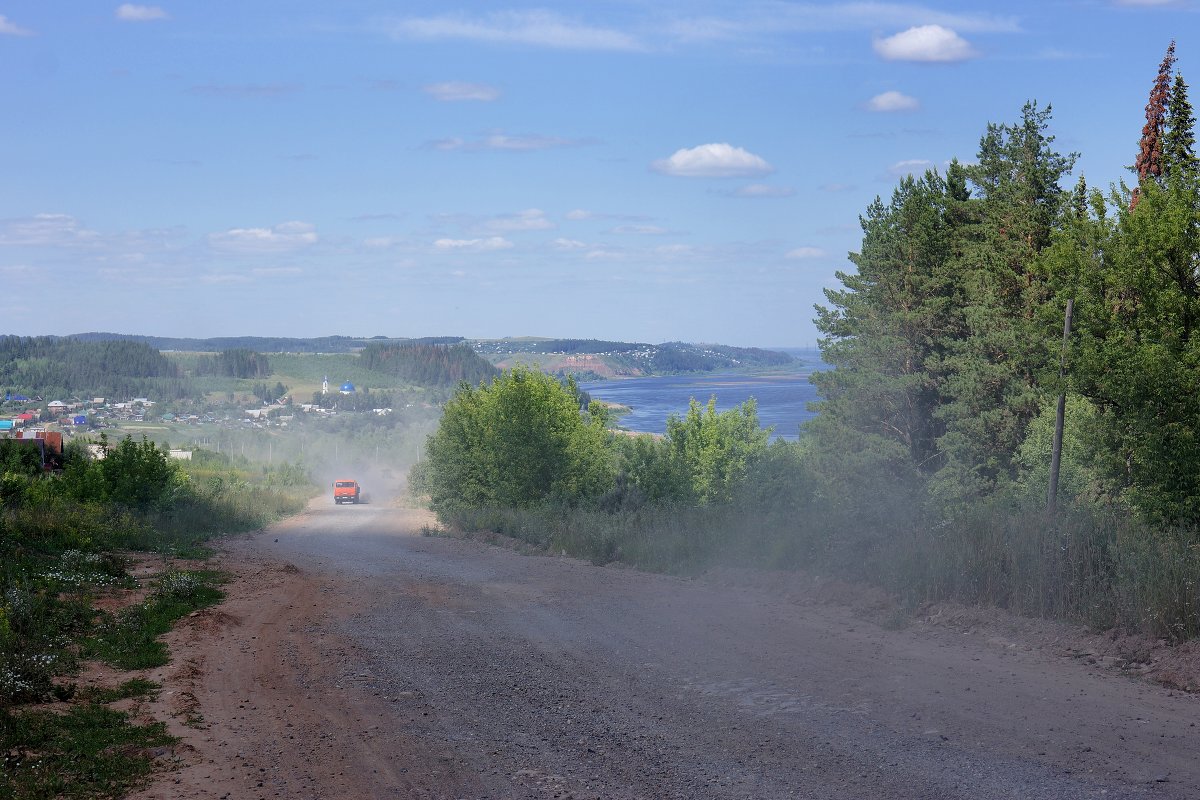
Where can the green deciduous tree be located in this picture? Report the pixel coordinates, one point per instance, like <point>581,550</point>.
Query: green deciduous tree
<point>1137,349</point>
<point>1138,356</point>
<point>716,450</point>
<point>519,441</point>
<point>132,473</point>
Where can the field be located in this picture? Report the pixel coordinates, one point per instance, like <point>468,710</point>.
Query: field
<point>301,373</point>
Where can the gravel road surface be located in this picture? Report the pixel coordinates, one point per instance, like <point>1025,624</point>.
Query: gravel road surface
<point>356,658</point>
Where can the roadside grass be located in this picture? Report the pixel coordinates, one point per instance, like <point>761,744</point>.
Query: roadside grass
<point>129,640</point>
<point>1089,566</point>
<point>89,751</point>
<point>132,688</point>
<point>63,564</point>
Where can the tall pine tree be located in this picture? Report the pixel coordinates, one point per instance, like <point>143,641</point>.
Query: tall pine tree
<point>1179,139</point>
<point>887,332</point>
<point>1148,164</point>
<point>994,367</point>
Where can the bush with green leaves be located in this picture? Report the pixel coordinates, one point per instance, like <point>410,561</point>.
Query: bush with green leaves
<point>134,474</point>
<point>716,450</point>
<point>517,441</point>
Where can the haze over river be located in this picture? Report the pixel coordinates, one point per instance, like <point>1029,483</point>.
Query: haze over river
<point>782,397</point>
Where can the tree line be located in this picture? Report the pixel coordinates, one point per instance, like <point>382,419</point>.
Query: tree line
<point>946,340</point>
<point>927,469</point>
<point>235,363</point>
<point>428,364</point>
<point>53,365</point>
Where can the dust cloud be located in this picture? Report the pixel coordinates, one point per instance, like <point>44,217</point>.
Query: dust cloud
<point>377,451</point>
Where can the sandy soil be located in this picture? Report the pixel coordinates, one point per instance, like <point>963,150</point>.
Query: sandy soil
<point>356,658</point>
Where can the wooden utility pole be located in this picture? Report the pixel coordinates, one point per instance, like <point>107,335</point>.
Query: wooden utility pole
<point>1056,452</point>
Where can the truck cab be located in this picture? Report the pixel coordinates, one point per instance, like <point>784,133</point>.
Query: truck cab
<point>346,490</point>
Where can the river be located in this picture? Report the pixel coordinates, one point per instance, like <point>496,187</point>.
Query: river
<point>782,397</point>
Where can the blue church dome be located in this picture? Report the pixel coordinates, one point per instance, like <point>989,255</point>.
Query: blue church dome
<point>347,388</point>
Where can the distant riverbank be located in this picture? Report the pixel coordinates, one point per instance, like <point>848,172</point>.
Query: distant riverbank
<point>782,397</point>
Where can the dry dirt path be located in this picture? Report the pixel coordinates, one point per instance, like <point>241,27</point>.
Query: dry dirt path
<point>358,659</point>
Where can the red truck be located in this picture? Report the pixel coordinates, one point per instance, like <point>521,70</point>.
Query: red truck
<point>346,490</point>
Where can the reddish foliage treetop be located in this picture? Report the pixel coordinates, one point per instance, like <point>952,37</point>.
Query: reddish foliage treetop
<point>1149,159</point>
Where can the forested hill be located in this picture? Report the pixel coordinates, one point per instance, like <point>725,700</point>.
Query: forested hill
<point>52,365</point>
<point>261,344</point>
<point>640,357</point>
<point>428,364</point>
<point>408,358</point>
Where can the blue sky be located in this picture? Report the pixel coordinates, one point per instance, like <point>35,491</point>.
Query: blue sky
<point>616,169</point>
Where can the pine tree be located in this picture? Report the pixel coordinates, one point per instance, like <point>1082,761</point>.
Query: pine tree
<point>887,333</point>
<point>1150,147</point>
<point>993,368</point>
<point>1179,138</point>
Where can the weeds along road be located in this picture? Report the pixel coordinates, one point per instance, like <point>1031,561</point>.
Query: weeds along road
<point>356,658</point>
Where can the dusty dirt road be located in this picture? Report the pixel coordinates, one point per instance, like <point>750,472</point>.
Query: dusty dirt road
<point>358,659</point>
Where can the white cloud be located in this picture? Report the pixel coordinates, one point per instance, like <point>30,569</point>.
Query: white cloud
<point>451,91</point>
<point>448,144</point>
<point>1058,54</point>
<point>477,245</point>
<point>505,143</point>
<point>23,273</point>
<point>381,242</point>
<point>377,217</point>
<point>782,18</point>
<point>534,27</point>
<point>531,219</point>
<point>10,28</point>
<point>719,160</point>
<point>500,141</point>
<point>274,272</point>
<point>244,89</point>
<point>569,244</point>
<point>762,190</point>
<point>279,239</point>
<point>928,43</point>
<point>605,255</point>
<point>129,12</point>
<point>910,166</point>
<point>893,101</point>
<point>219,278</point>
<point>580,215</point>
<point>805,253</point>
<point>45,230</point>
<point>640,230</point>
<point>754,27</point>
